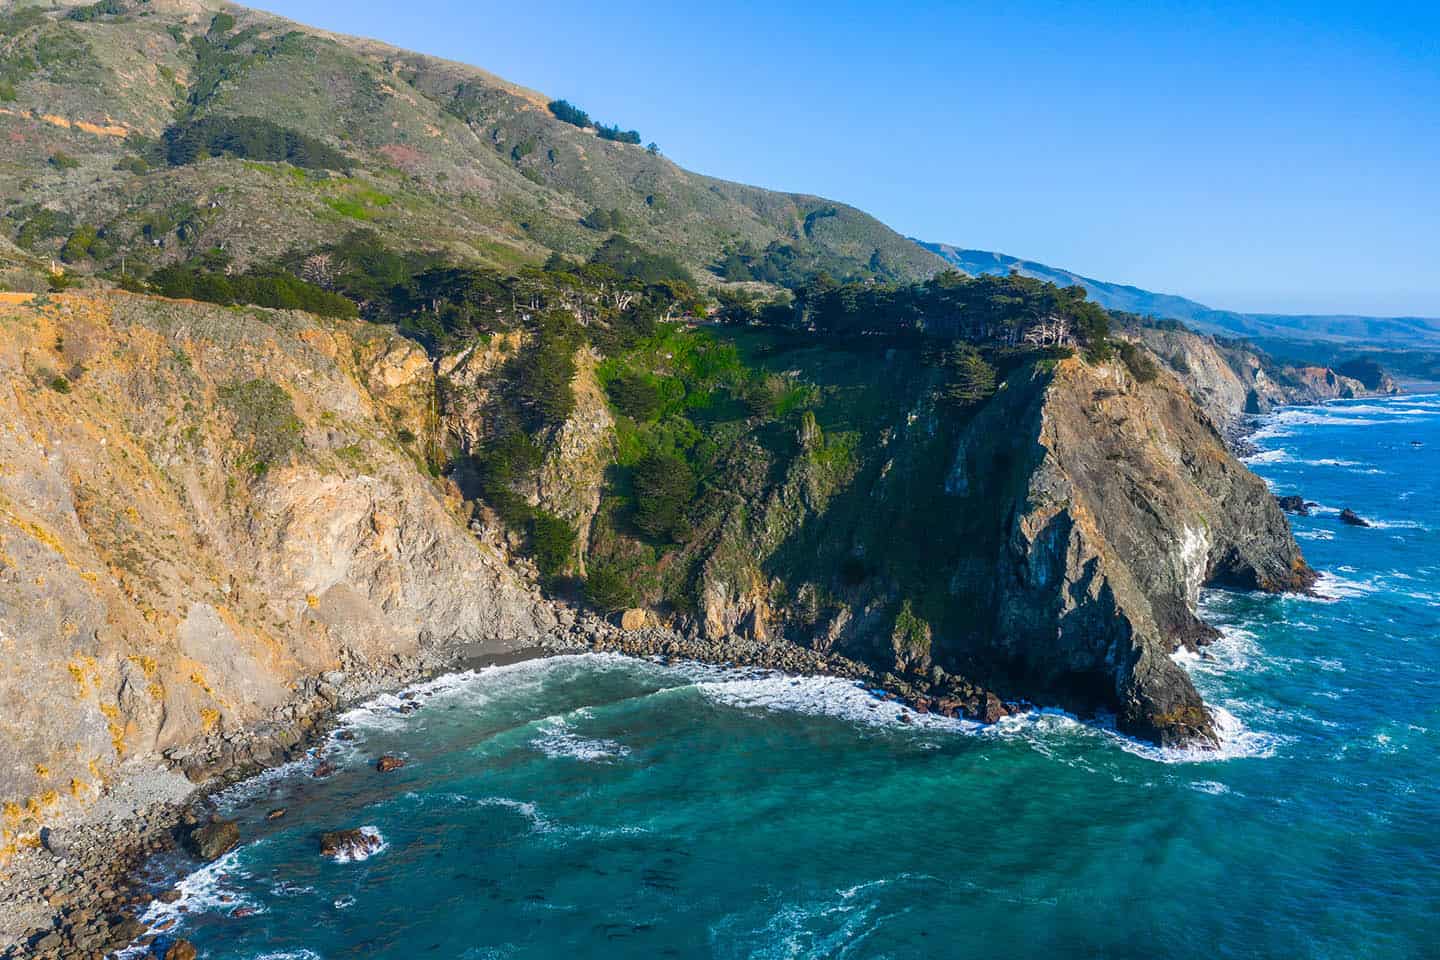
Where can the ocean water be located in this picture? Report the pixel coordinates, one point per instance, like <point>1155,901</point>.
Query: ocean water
<point>594,806</point>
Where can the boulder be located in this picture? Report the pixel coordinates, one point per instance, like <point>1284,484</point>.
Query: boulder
<point>275,814</point>
<point>211,841</point>
<point>179,950</point>
<point>992,709</point>
<point>1294,504</point>
<point>1352,518</point>
<point>389,762</point>
<point>633,619</point>
<point>355,844</point>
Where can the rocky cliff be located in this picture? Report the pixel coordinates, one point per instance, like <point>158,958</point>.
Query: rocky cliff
<point>199,508</point>
<point>1231,380</point>
<point>1119,502</point>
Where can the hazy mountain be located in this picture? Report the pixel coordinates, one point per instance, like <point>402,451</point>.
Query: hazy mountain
<point>1354,331</point>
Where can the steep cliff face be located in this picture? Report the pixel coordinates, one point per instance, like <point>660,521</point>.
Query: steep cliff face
<point>1230,380</point>
<point>1118,502</point>
<point>198,507</point>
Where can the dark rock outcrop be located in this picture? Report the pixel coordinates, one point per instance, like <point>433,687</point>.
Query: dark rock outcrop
<point>388,763</point>
<point>1294,503</point>
<point>1113,503</point>
<point>1350,517</point>
<point>211,841</point>
<point>354,844</point>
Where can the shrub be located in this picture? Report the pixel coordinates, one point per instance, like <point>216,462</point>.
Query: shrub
<point>7,91</point>
<point>275,289</point>
<point>910,637</point>
<point>608,132</point>
<point>607,588</point>
<point>60,385</point>
<point>635,395</point>
<point>94,11</point>
<point>63,161</point>
<point>1138,360</point>
<point>602,219</point>
<point>552,543</point>
<point>79,245</point>
<point>265,420</point>
<point>506,461</point>
<point>249,138</point>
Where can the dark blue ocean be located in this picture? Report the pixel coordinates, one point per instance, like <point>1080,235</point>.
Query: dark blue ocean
<point>594,806</point>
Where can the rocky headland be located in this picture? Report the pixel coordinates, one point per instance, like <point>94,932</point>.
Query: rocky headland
<point>187,603</point>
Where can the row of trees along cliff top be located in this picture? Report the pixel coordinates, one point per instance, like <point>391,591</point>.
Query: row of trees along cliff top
<point>569,113</point>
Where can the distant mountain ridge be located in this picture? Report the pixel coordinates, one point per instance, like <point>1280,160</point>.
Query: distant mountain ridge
<point>1357,331</point>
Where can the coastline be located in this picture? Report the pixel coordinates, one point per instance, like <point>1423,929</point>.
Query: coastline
<point>80,893</point>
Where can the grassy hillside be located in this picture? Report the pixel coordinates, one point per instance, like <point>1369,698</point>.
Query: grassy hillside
<point>1407,333</point>
<point>428,149</point>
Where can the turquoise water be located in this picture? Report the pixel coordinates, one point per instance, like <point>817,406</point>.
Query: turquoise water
<point>599,807</point>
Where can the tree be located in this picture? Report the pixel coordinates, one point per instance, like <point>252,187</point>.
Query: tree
<point>663,485</point>
<point>969,379</point>
<point>635,395</point>
<point>569,113</point>
<point>607,588</point>
<point>552,542</point>
<point>653,149</point>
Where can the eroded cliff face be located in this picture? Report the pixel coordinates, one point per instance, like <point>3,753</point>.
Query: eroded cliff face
<point>1119,502</point>
<point>1231,381</point>
<point>200,506</point>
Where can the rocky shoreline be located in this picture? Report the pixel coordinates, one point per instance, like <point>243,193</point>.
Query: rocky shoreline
<point>79,894</point>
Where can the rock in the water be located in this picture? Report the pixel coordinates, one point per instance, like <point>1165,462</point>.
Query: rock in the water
<point>993,709</point>
<point>1294,504</point>
<point>1352,518</point>
<point>180,950</point>
<point>323,769</point>
<point>275,814</point>
<point>213,840</point>
<point>345,845</point>
<point>389,762</point>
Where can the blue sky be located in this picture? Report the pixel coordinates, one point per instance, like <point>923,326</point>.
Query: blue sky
<point>1254,156</point>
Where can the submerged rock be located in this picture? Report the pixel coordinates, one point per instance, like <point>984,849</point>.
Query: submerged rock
<point>1352,518</point>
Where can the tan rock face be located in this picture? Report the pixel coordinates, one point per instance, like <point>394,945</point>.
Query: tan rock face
<point>633,619</point>
<point>156,582</point>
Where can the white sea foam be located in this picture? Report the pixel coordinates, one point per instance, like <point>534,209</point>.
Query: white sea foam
<point>1329,588</point>
<point>209,889</point>
<point>1278,455</point>
<point>1212,787</point>
<point>1308,417</point>
<point>556,740</point>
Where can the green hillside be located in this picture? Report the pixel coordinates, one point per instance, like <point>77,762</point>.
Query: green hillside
<point>111,113</point>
